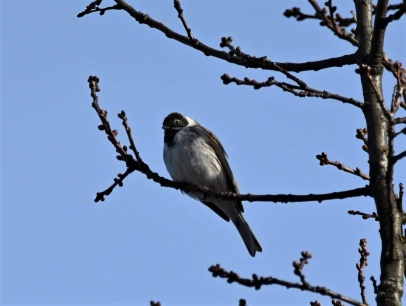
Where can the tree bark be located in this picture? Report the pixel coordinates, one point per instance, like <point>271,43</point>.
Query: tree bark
<point>370,52</point>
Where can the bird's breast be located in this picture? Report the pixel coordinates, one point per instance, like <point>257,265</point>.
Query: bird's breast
<point>190,159</point>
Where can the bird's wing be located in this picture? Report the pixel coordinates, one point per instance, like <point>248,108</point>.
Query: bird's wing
<point>221,154</point>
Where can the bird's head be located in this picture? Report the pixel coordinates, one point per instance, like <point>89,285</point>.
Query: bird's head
<point>175,121</point>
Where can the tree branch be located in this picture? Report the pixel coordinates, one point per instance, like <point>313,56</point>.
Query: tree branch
<point>398,157</point>
<point>323,158</point>
<point>257,282</point>
<point>94,7</point>
<point>177,5</point>
<point>342,22</point>
<point>246,61</point>
<point>379,127</point>
<point>338,29</point>
<point>362,134</point>
<point>395,16</point>
<point>364,215</point>
<point>400,120</point>
<point>363,262</point>
<point>138,164</point>
<point>299,91</point>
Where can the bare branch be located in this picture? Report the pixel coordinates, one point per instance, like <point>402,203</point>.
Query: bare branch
<point>299,91</point>
<point>152,303</point>
<point>365,216</point>
<point>100,196</point>
<point>363,262</point>
<point>342,22</point>
<point>399,200</point>
<point>400,120</point>
<point>398,157</point>
<point>402,131</point>
<point>94,7</point>
<point>139,165</point>
<point>362,134</point>
<point>249,62</point>
<point>295,12</point>
<point>176,4</point>
<point>374,284</point>
<point>337,303</point>
<point>323,158</point>
<point>105,126</point>
<point>257,282</point>
<point>331,24</point>
<point>298,267</point>
<point>395,16</point>
<point>339,29</point>
<point>315,303</point>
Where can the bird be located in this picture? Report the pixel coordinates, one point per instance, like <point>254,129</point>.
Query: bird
<point>194,155</point>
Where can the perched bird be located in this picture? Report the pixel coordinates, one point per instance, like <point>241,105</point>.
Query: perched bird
<point>194,155</point>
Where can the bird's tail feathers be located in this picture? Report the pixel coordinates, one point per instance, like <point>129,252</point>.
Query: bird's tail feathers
<point>246,233</point>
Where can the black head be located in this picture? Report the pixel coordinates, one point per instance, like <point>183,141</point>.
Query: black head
<point>174,121</point>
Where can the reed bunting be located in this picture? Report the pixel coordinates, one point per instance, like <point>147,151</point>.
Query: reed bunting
<point>194,155</point>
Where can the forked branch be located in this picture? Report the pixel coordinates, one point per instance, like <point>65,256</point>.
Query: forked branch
<point>301,90</point>
<point>258,281</point>
<point>246,61</point>
<point>323,158</point>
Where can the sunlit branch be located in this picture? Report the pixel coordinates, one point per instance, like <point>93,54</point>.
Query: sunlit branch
<point>139,165</point>
<point>258,281</point>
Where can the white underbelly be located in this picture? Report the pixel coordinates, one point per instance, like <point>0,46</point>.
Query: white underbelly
<point>193,162</point>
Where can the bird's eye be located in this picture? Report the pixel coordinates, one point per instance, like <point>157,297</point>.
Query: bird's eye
<point>176,122</point>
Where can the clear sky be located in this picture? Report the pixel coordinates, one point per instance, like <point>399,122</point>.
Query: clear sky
<point>151,243</point>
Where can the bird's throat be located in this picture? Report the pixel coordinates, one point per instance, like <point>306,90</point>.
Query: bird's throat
<point>169,135</point>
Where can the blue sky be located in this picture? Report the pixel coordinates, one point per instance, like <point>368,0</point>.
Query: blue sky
<point>151,243</point>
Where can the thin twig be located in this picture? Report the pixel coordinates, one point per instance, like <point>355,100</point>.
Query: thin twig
<point>299,265</point>
<point>94,8</point>
<point>339,30</point>
<point>258,281</point>
<point>362,134</point>
<point>299,91</point>
<point>395,16</point>
<point>365,216</point>
<point>400,120</point>
<point>402,131</point>
<point>398,157</point>
<point>374,284</point>
<point>342,22</point>
<point>399,200</point>
<point>363,262</point>
<point>323,158</point>
<point>178,7</point>
<point>100,196</point>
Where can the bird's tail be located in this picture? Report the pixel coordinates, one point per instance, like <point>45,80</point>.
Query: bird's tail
<point>246,233</point>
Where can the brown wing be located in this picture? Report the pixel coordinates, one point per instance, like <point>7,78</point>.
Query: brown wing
<point>222,157</point>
